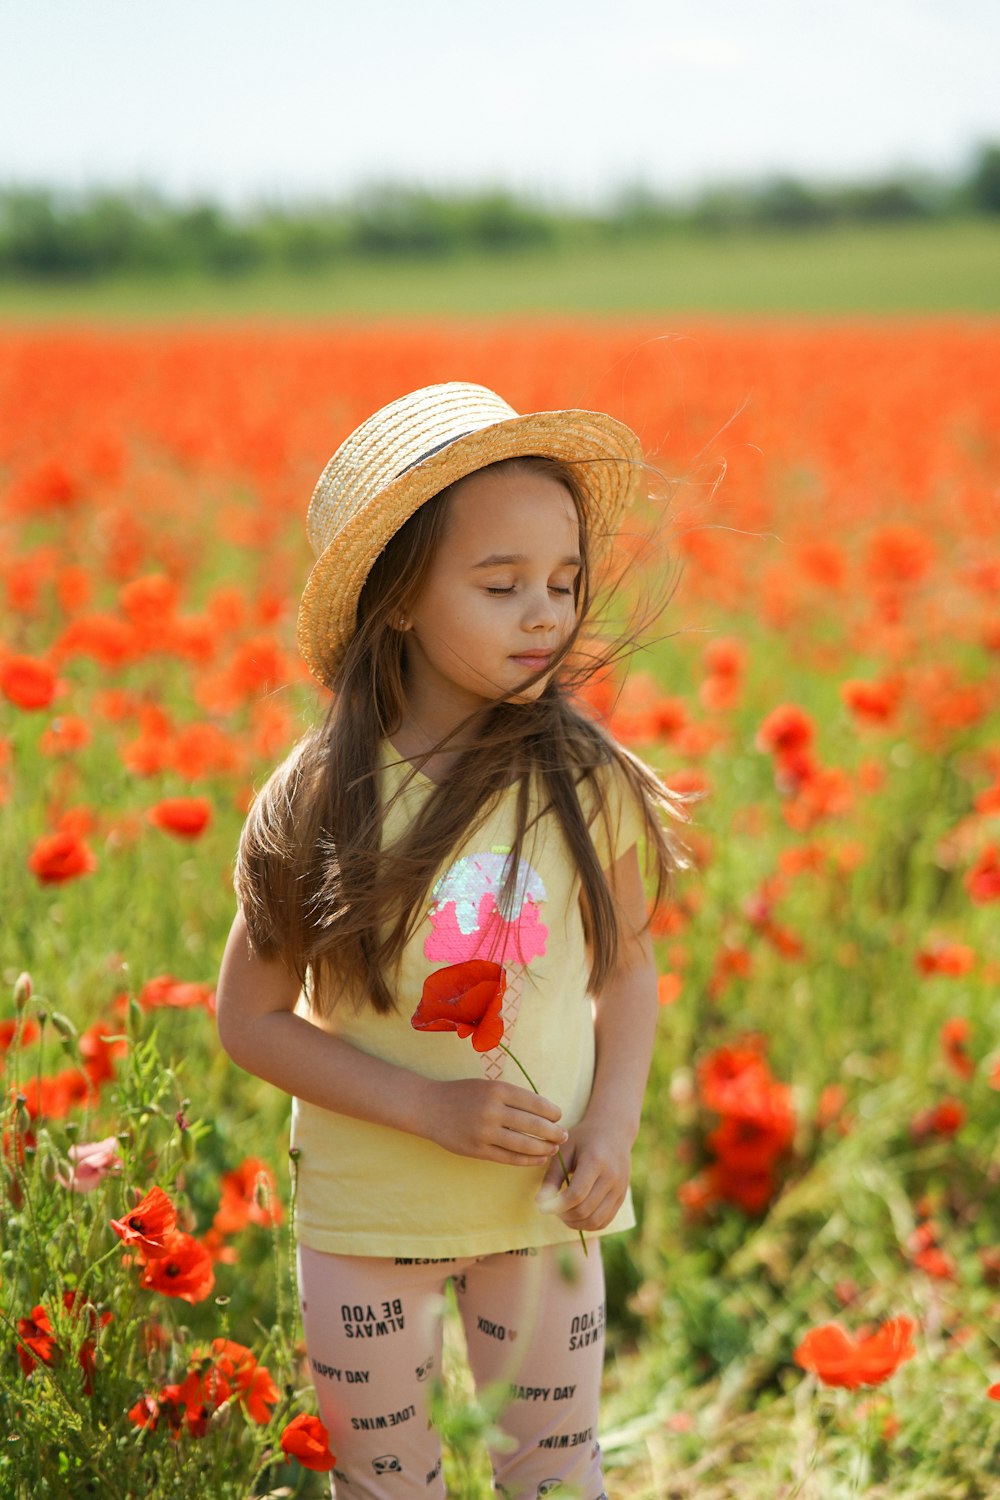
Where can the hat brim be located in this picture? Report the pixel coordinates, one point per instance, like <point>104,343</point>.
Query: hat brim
<point>605,456</point>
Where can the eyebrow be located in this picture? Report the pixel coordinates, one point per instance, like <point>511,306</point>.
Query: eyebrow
<point>498,559</point>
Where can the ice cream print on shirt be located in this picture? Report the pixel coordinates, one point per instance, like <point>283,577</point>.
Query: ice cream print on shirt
<point>473,916</point>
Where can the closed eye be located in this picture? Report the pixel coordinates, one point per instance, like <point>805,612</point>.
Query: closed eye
<point>553,588</point>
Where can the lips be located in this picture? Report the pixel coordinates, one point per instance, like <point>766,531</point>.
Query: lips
<point>534,661</point>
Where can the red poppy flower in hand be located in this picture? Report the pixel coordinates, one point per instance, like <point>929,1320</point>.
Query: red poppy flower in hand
<point>838,1359</point>
<point>466,998</point>
<point>306,1439</point>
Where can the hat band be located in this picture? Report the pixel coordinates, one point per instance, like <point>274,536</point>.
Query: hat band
<point>436,449</point>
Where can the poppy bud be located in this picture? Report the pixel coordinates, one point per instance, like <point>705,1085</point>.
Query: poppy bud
<point>186,1145</point>
<point>22,991</point>
<point>22,1119</point>
<point>220,1416</point>
<point>135,1016</point>
<point>98,1358</point>
<point>64,1025</point>
<point>48,1167</point>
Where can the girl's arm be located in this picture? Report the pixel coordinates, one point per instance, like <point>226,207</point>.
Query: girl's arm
<point>598,1154</point>
<point>258,1027</point>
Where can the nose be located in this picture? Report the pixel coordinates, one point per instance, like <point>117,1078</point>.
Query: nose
<point>539,611</point>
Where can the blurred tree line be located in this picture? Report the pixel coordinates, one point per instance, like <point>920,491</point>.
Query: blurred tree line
<point>50,234</point>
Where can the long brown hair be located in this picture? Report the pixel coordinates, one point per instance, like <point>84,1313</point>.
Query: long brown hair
<point>317,887</point>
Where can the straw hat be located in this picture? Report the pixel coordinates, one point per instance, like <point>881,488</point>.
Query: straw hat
<point>412,449</point>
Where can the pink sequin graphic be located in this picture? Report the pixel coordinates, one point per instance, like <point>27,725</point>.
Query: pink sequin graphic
<point>467,921</point>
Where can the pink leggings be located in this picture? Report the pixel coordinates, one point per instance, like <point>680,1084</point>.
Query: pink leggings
<point>533,1319</point>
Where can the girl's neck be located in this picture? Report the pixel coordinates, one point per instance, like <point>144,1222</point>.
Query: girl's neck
<point>416,744</point>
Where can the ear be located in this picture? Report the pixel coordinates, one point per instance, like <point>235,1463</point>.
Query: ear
<point>402,624</point>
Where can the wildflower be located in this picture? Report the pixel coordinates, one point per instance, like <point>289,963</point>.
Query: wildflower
<point>15,1029</point>
<point>145,1413</point>
<point>983,881</point>
<point>164,989</point>
<point>149,602</point>
<point>952,959</point>
<point>786,729</point>
<point>36,1333</point>
<point>872,703</point>
<point>62,856</point>
<point>182,1268</point>
<point>944,1119</point>
<point>202,1391</point>
<point>184,817</point>
<point>64,735</point>
<point>98,1051</point>
<point>756,1128</point>
<point>955,1034</point>
<point>27,682</point>
<point>251,1381</point>
<point>838,1359</point>
<point>249,1196</point>
<point>306,1439</point>
<point>668,988</point>
<point>466,998</point>
<point>149,1225</point>
<point>936,1263</point>
<point>82,1309</point>
<point>90,1162</point>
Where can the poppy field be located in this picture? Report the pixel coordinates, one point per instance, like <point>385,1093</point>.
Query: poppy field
<point>811,1303</point>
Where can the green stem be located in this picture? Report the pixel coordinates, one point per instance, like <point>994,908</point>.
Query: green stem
<point>562,1160</point>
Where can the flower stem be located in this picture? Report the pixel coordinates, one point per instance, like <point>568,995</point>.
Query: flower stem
<point>562,1160</point>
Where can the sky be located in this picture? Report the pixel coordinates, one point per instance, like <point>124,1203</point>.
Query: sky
<point>296,100</point>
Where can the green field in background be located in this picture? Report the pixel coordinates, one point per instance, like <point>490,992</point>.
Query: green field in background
<point>943,267</point>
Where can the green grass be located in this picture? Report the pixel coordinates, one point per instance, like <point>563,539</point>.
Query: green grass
<point>946,267</point>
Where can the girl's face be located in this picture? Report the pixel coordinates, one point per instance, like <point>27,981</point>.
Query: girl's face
<point>498,601</point>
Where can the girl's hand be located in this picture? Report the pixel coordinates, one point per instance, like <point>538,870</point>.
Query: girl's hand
<point>494,1121</point>
<point>598,1160</point>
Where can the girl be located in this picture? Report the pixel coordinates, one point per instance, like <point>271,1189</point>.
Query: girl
<point>454,806</point>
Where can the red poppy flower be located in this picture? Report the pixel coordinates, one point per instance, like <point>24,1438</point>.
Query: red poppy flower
<point>251,1381</point>
<point>182,1268</point>
<point>983,880</point>
<point>786,728</point>
<point>181,994</point>
<point>466,998</point>
<point>838,1359</point>
<point>955,1034</point>
<point>201,1392</point>
<point>306,1439</point>
<point>98,1052</point>
<point>149,1225</point>
<point>22,1029</point>
<point>184,817</point>
<point>249,1196</point>
<point>64,735</point>
<point>145,1413</point>
<point>82,1309</point>
<point>58,857</point>
<point>27,682</point>
<point>952,959</point>
<point>36,1332</point>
